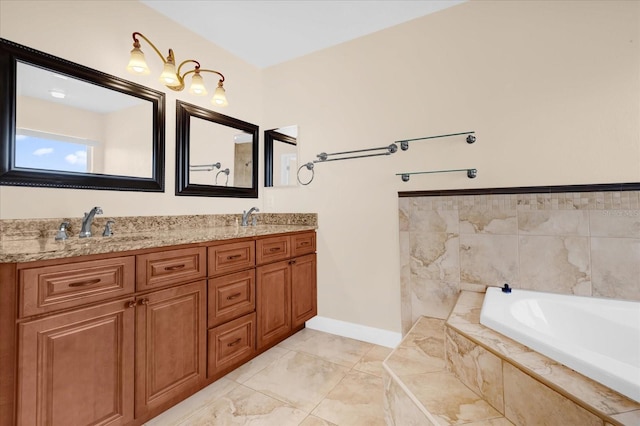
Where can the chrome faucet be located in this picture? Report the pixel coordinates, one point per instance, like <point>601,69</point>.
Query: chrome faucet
<point>247,214</point>
<point>87,220</point>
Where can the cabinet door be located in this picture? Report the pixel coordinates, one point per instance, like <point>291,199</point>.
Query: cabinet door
<point>303,289</point>
<point>273,302</point>
<point>77,368</point>
<point>170,345</point>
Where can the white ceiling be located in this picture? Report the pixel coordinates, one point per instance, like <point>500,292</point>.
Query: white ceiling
<point>268,32</point>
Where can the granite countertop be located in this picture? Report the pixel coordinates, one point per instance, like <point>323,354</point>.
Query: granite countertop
<point>27,250</point>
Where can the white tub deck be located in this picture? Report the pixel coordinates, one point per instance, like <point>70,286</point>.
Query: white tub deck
<point>599,338</point>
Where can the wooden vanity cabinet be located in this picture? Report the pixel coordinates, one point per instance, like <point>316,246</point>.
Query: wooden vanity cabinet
<point>170,356</point>
<point>75,344</point>
<point>82,361</point>
<point>274,302</point>
<point>116,339</point>
<point>231,317</point>
<point>303,289</point>
<point>77,368</point>
<point>286,289</point>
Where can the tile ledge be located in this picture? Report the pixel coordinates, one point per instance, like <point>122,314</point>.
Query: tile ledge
<point>412,334</point>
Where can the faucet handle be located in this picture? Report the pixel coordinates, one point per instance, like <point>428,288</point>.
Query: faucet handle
<point>62,231</point>
<point>108,228</point>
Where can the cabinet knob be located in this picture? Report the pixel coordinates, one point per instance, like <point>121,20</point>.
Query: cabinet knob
<point>144,301</point>
<point>130,304</point>
<point>292,262</point>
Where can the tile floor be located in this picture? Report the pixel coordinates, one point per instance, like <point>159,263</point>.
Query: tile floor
<point>310,379</point>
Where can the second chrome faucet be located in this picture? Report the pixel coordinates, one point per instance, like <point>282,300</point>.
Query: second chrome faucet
<point>247,214</point>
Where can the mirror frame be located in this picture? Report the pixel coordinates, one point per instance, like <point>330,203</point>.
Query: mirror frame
<point>184,111</point>
<point>269,137</point>
<point>10,54</point>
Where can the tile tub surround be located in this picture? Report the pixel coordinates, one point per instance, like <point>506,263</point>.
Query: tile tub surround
<point>489,379</point>
<point>23,240</point>
<point>517,372</point>
<point>582,243</point>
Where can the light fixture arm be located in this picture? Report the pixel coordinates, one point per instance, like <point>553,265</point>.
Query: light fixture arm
<point>136,44</point>
<point>198,69</point>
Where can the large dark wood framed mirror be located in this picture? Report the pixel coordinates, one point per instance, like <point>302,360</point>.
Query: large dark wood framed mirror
<point>65,125</point>
<point>216,155</point>
<point>281,156</point>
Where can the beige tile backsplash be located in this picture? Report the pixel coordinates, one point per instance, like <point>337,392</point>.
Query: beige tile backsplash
<point>585,243</point>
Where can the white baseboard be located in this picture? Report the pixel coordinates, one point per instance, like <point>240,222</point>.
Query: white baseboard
<point>364,333</point>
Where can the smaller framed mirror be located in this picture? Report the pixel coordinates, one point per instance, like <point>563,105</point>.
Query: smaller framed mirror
<point>281,156</point>
<point>216,155</point>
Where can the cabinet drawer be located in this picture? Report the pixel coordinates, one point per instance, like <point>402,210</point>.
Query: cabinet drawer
<point>273,249</point>
<point>231,344</point>
<point>231,296</point>
<point>303,243</point>
<point>49,288</point>
<point>170,267</point>
<point>231,257</point>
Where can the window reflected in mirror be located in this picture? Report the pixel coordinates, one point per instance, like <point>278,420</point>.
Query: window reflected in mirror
<point>281,156</point>
<point>65,124</point>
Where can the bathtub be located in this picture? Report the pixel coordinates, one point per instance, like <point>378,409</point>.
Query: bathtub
<point>599,338</point>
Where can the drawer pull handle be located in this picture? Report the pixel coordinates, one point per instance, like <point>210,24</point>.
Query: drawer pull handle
<point>235,256</point>
<point>304,243</point>
<point>85,283</point>
<point>234,296</point>
<point>174,267</point>
<point>235,342</point>
<point>275,249</point>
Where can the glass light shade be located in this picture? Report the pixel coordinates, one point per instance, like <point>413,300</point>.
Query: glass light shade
<point>219,96</point>
<point>169,77</point>
<point>197,85</point>
<point>137,63</point>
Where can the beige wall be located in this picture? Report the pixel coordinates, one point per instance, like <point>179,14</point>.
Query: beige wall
<point>551,88</point>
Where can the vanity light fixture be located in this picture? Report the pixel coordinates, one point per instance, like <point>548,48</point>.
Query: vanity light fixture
<point>171,77</point>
